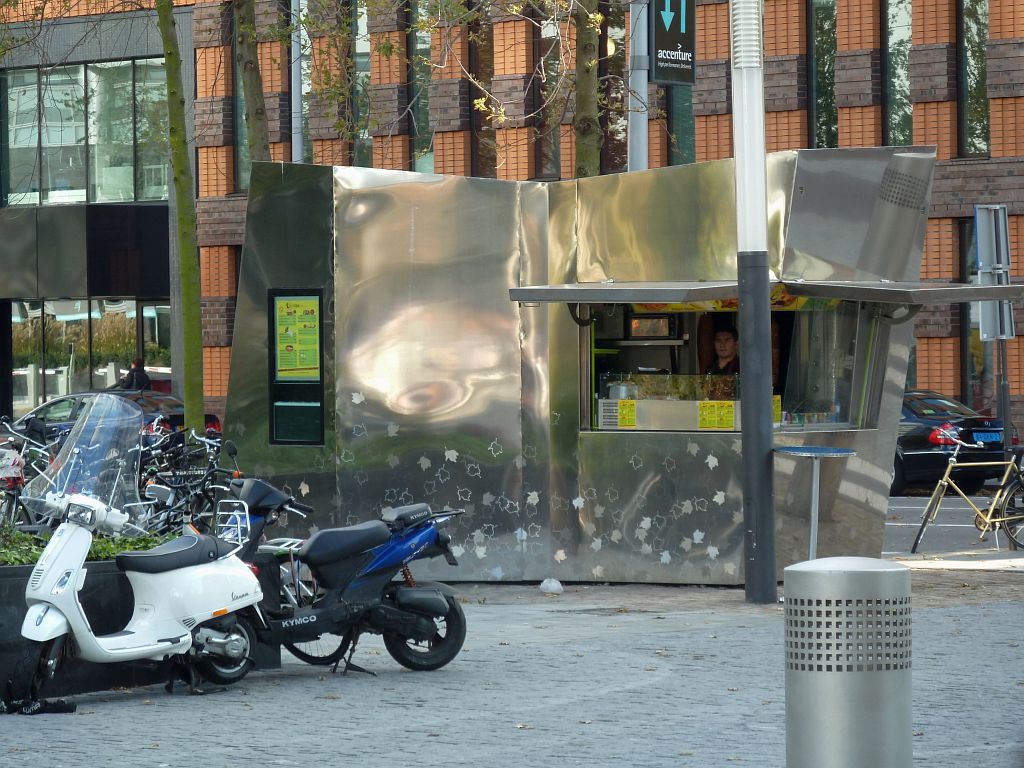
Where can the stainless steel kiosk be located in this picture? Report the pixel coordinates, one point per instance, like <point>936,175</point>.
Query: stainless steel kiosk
<point>537,353</point>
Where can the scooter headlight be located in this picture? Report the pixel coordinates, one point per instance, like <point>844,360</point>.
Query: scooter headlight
<point>62,582</point>
<point>81,514</point>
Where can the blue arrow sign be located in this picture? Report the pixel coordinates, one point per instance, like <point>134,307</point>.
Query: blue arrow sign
<point>682,16</point>
<point>667,15</point>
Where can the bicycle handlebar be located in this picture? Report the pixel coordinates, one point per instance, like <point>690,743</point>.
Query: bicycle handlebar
<point>956,439</point>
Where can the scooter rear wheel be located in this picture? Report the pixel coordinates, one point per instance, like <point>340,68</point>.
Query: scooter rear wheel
<point>224,671</point>
<point>434,653</point>
<point>324,651</point>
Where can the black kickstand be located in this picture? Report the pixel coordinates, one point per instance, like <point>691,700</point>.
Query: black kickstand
<point>349,666</point>
<point>187,673</point>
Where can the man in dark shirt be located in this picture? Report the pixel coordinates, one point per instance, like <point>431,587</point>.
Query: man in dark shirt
<point>136,378</point>
<point>727,361</point>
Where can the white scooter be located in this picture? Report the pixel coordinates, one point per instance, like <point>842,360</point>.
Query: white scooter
<point>191,594</point>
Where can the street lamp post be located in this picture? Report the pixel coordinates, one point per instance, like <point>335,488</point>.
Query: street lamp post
<point>754,304</point>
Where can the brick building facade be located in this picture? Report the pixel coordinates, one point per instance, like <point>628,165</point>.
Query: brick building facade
<point>506,52</point>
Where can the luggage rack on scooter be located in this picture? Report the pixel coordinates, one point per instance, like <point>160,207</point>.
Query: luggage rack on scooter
<point>232,522</point>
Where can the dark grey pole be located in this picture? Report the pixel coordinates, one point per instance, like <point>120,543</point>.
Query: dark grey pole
<point>755,316</point>
<point>756,426</point>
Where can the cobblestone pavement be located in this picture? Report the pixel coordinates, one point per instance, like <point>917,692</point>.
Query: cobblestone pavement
<point>598,676</point>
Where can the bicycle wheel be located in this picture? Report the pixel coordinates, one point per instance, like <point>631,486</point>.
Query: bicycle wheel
<point>1012,507</point>
<point>323,651</point>
<point>12,511</point>
<point>928,516</point>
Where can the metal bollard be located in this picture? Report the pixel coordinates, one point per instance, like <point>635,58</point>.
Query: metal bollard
<point>848,652</point>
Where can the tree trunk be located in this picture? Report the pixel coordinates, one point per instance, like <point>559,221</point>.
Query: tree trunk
<point>587,120</point>
<point>247,60</point>
<point>185,225</point>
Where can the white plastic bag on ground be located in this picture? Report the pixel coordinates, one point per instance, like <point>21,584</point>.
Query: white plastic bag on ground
<point>551,587</point>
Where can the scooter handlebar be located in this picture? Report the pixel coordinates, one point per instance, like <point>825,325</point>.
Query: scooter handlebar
<point>302,510</point>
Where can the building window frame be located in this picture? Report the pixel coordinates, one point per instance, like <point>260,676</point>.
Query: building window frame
<point>971,97</point>
<point>821,133</point>
<point>891,70</point>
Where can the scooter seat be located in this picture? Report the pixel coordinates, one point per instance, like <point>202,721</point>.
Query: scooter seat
<point>190,549</point>
<point>332,544</point>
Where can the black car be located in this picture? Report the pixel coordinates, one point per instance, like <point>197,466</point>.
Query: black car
<point>59,414</point>
<point>922,450</point>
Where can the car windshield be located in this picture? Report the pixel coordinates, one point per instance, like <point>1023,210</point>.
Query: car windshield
<point>932,406</point>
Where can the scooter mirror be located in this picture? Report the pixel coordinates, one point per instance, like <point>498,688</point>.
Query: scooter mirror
<point>230,448</point>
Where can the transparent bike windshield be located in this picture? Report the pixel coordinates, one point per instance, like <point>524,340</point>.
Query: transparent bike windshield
<point>100,458</point>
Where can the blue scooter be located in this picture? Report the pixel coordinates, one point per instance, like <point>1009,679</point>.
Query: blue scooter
<point>348,583</point>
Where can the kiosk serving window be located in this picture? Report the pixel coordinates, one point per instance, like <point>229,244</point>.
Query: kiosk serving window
<point>662,367</point>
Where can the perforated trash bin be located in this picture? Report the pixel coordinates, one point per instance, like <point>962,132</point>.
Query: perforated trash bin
<point>848,652</point>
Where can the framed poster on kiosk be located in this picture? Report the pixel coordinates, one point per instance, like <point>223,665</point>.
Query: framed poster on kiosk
<point>296,367</point>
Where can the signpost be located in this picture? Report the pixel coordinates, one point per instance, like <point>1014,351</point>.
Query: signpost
<point>995,318</point>
<point>673,48</point>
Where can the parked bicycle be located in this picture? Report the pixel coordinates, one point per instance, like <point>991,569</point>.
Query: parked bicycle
<point>1006,510</point>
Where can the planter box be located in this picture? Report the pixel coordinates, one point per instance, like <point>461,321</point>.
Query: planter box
<point>107,600</point>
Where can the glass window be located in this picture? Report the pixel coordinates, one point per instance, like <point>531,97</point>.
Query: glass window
<point>19,160</point>
<point>114,342</point>
<point>682,144</point>
<point>973,118</point>
<point>824,117</point>
<point>419,80</point>
<point>63,135</point>
<point>111,132</point>
<point>66,346</point>
<point>613,70</point>
<point>549,73</point>
<point>27,351</point>
<point>362,141</point>
<point>899,128</point>
<point>156,344</point>
<point>485,158</point>
<point>822,362</point>
<point>151,151</point>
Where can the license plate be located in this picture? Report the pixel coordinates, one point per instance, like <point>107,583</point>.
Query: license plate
<point>988,437</point>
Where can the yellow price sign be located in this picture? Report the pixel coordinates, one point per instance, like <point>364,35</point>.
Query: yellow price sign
<point>627,413</point>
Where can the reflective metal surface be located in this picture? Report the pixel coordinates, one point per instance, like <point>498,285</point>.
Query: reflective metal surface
<point>445,391</point>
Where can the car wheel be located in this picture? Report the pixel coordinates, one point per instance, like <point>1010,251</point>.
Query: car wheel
<point>899,480</point>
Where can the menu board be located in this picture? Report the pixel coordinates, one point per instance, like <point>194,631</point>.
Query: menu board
<point>716,414</point>
<point>297,338</point>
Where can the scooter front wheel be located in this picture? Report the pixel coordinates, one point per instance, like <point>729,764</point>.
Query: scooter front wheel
<point>37,664</point>
<point>225,671</point>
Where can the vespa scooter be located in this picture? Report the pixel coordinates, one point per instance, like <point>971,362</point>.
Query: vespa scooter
<point>192,596</point>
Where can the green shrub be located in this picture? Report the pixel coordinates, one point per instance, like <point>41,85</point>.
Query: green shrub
<point>20,548</point>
